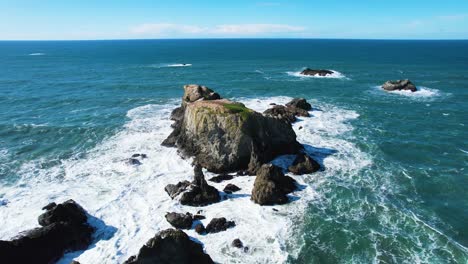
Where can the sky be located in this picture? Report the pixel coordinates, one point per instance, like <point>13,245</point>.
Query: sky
<point>162,19</point>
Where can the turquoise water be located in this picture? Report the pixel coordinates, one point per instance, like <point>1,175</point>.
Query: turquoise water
<point>63,101</point>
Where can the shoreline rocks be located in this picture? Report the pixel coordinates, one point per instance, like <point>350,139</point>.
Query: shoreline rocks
<point>217,225</point>
<point>63,228</point>
<point>303,164</point>
<point>171,246</point>
<point>312,72</point>
<point>177,220</point>
<point>225,136</point>
<point>399,85</point>
<point>271,186</point>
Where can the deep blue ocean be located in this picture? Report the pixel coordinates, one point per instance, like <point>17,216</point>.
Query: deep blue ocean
<point>395,184</point>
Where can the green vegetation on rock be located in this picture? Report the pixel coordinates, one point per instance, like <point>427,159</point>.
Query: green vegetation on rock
<point>238,108</point>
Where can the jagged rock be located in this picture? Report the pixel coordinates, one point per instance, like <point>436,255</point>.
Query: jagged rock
<point>200,229</point>
<point>281,112</point>
<point>170,247</point>
<point>195,92</point>
<point>312,72</point>
<point>133,161</point>
<point>197,193</point>
<point>175,189</point>
<point>177,114</point>
<point>271,186</point>
<point>137,155</point>
<point>198,217</point>
<point>237,243</point>
<point>222,134</point>
<point>299,103</point>
<point>49,206</point>
<point>222,177</point>
<point>399,85</point>
<point>219,224</point>
<point>177,220</point>
<point>230,188</point>
<point>64,228</point>
<point>303,164</point>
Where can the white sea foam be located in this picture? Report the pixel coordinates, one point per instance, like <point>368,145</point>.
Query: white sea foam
<point>36,54</point>
<point>335,75</point>
<point>422,92</point>
<point>131,201</point>
<point>170,65</point>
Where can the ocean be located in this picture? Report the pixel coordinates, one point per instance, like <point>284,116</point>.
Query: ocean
<point>394,187</point>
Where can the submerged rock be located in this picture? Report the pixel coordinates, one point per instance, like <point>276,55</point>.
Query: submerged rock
<point>237,243</point>
<point>177,220</point>
<point>170,247</point>
<point>299,103</point>
<point>303,164</point>
<point>272,186</point>
<point>230,188</point>
<point>223,135</point>
<point>399,85</point>
<point>219,224</point>
<point>200,229</point>
<point>64,228</point>
<point>312,72</point>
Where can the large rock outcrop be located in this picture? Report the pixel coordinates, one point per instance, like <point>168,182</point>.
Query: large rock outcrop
<point>399,85</point>
<point>272,186</point>
<point>226,136</point>
<point>63,228</point>
<point>303,164</point>
<point>170,247</point>
<point>312,72</point>
<point>288,113</point>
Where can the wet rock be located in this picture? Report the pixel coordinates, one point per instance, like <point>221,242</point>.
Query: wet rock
<point>281,112</point>
<point>272,186</point>
<point>300,127</point>
<point>200,229</point>
<point>299,103</point>
<point>237,243</point>
<point>303,164</point>
<point>171,247</point>
<point>177,220</point>
<point>198,217</point>
<point>133,161</point>
<point>312,72</point>
<point>137,155</point>
<point>230,188</point>
<point>219,224</point>
<point>175,189</point>
<point>63,228</point>
<point>49,206</point>
<point>399,85</point>
<point>221,177</point>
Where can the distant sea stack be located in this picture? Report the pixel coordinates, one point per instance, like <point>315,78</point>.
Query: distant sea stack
<point>399,85</point>
<point>311,72</point>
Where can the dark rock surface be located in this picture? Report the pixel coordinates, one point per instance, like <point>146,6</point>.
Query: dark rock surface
<point>237,243</point>
<point>175,189</point>
<point>299,103</point>
<point>64,228</point>
<point>170,247</point>
<point>231,188</point>
<point>303,164</point>
<point>281,112</point>
<point>399,85</point>
<point>177,220</point>
<point>312,72</point>
<point>221,177</point>
<point>219,224</point>
<point>271,186</point>
<point>200,229</point>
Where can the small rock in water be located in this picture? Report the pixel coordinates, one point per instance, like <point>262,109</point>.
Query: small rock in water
<point>4,202</point>
<point>300,127</point>
<point>219,224</point>
<point>133,161</point>
<point>198,217</point>
<point>230,188</point>
<point>200,229</point>
<point>143,156</point>
<point>303,164</point>
<point>242,173</point>
<point>274,209</point>
<point>237,243</point>
<point>222,177</point>
<point>399,85</point>
<point>182,221</point>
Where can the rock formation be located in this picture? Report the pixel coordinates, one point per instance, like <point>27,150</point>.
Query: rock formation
<point>272,186</point>
<point>303,164</point>
<point>230,188</point>
<point>312,72</point>
<point>399,85</point>
<point>63,228</point>
<point>196,193</point>
<point>226,136</point>
<point>300,103</point>
<point>170,247</point>
<point>177,220</point>
<point>219,224</point>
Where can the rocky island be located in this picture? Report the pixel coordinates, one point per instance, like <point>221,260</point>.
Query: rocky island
<point>313,72</point>
<point>399,85</point>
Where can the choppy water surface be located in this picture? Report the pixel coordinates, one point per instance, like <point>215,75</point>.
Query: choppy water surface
<point>394,185</point>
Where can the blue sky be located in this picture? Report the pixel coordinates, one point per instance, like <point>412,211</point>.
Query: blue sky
<point>125,19</point>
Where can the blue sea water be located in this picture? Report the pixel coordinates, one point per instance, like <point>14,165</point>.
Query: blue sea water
<point>394,188</point>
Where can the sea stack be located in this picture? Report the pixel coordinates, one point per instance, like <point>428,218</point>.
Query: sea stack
<point>226,136</point>
<point>399,85</point>
<point>312,72</point>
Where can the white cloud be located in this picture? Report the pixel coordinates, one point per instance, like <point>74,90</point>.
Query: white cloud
<point>168,29</point>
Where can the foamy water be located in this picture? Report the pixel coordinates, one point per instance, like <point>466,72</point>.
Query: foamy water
<point>335,75</point>
<point>130,202</point>
<point>171,65</point>
<point>37,54</point>
<point>422,92</point>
